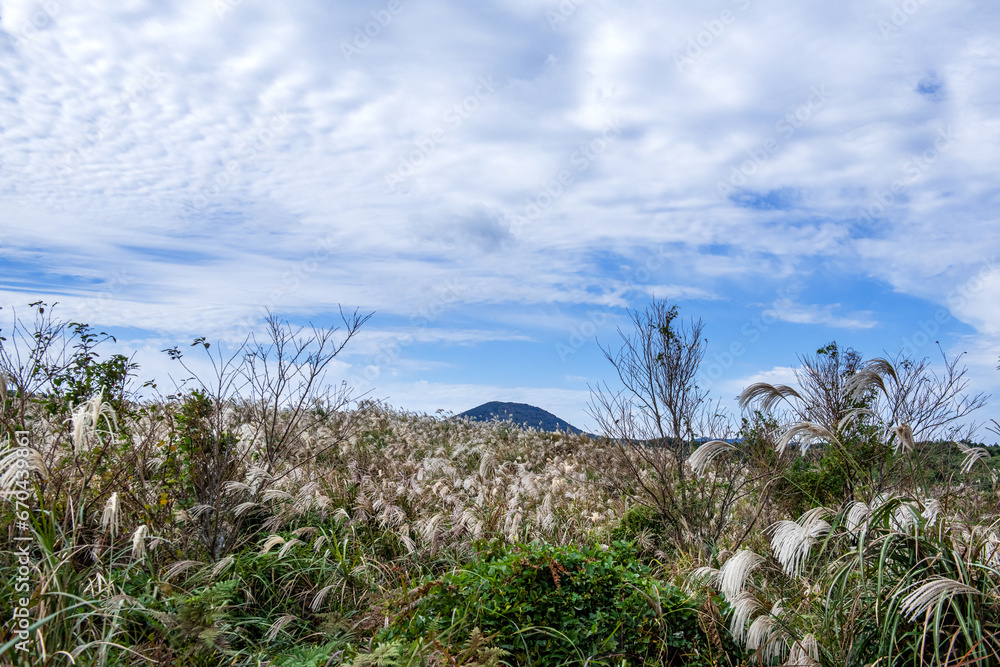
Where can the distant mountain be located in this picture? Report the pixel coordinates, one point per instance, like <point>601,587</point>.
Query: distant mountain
<point>521,414</point>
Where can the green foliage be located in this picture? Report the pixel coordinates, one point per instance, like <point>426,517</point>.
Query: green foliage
<point>308,656</point>
<point>476,651</point>
<point>638,522</point>
<point>55,364</point>
<point>671,341</point>
<point>196,457</point>
<point>69,612</point>
<point>393,654</point>
<point>870,582</point>
<point>87,375</point>
<point>652,531</point>
<point>810,483</point>
<point>552,605</point>
<point>200,625</point>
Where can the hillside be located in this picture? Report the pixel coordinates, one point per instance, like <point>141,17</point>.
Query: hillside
<point>521,414</point>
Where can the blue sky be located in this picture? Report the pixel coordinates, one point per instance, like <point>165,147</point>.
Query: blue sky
<point>500,180</point>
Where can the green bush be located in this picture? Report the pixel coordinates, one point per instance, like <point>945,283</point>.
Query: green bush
<point>202,622</point>
<point>807,484</point>
<point>648,530</point>
<point>555,605</point>
<point>638,520</point>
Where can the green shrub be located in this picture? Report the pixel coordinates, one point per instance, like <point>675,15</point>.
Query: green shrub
<point>637,521</point>
<point>647,529</point>
<point>807,484</point>
<point>310,655</point>
<point>554,605</point>
<point>199,628</point>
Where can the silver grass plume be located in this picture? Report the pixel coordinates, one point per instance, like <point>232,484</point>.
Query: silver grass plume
<point>391,516</point>
<point>702,457</point>
<point>512,525</point>
<point>179,567</point>
<point>236,487</point>
<point>805,433</point>
<point>486,465</point>
<point>81,420</point>
<point>340,515</point>
<point>477,528</point>
<point>317,601</point>
<point>863,381</point>
<point>872,378</point>
<point>734,572</point>
<point>852,415</point>
<point>546,515</point>
<point>182,516</point>
<point>765,638</point>
<point>98,407</point>
<point>275,522</point>
<point>769,395</point>
<point>139,541</point>
<point>275,494</point>
<point>270,542</point>
<point>277,626</point>
<point>804,653</point>
<point>222,565</point>
<point>153,465</point>
<point>856,516</point>
<point>904,516</point>
<point>111,515</point>
<point>243,508</point>
<point>792,540</point>
<point>430,533</point>
<point>972,455</point>
<point>287,546</point>
<point>255,475</point>
<point>404,536</point>
<point>198,511</point>
<point>11,468</point>
<point>931,595</point>
<point>932,510</point>
<point>990,550</point>
<point>85,419</point>
<point>744,606</point>
<point>904,438</point>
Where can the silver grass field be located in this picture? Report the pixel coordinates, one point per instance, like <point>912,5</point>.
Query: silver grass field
<point>262,517</point>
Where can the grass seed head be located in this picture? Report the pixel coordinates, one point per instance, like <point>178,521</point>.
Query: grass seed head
<point>932,594</point>
<point>804,653</point>
<point>744,606</point>
<point>765,637</point>
<point>702,457</point>
<point>904,438</point>
<point>735,571</point>
<point>111,516</point>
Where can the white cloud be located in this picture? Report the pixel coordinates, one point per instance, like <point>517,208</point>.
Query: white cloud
<point>229,163</point>
<point>790,311</point>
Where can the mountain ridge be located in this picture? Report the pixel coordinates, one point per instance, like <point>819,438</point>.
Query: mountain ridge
<point>521,414</point>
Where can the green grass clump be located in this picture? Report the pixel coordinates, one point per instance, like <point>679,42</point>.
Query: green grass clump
<point>555,605</point>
